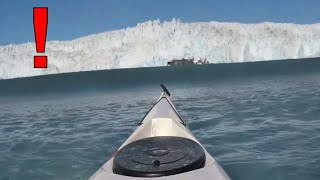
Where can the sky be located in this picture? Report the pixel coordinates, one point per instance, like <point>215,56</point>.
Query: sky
<point>71,19</point>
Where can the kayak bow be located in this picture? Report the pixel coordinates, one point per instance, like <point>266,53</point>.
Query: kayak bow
<point>161,147</point>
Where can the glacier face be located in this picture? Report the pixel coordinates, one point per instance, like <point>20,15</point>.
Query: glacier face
<point>153,43</point>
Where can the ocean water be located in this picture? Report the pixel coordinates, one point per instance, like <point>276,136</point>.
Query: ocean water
<point>260,121</point>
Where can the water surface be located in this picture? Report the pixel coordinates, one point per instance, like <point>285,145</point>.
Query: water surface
<point>257,127</point>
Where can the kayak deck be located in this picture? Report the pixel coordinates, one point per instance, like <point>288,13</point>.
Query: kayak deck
<point>161,122</point>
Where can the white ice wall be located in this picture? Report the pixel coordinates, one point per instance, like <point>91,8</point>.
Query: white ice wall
<point>154,43</point>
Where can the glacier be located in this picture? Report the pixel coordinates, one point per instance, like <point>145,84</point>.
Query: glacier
<point>154,43</point>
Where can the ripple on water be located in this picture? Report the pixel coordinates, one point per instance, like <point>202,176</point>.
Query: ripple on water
<point>256,129</point>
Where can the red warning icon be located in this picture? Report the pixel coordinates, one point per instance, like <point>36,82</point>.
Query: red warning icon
<point>40,24</point>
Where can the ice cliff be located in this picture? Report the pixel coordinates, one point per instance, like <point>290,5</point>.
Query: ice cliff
<point>153,43</point>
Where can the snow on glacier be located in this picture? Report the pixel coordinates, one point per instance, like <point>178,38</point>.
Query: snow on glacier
<point>153,43</point>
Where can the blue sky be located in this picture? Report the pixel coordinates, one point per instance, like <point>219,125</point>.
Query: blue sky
<point>70,19</point>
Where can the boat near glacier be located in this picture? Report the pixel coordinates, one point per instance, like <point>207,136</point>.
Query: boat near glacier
<point>162,147</point>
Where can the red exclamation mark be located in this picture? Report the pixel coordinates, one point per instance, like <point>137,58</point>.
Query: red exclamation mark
<point>40,23</point>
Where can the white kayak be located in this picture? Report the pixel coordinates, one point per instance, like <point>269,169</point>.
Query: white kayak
<point>162,147</point>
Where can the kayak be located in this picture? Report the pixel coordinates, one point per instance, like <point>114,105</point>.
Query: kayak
<point>162,147</point>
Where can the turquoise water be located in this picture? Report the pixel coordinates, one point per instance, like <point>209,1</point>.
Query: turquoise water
<point>258,123</point>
